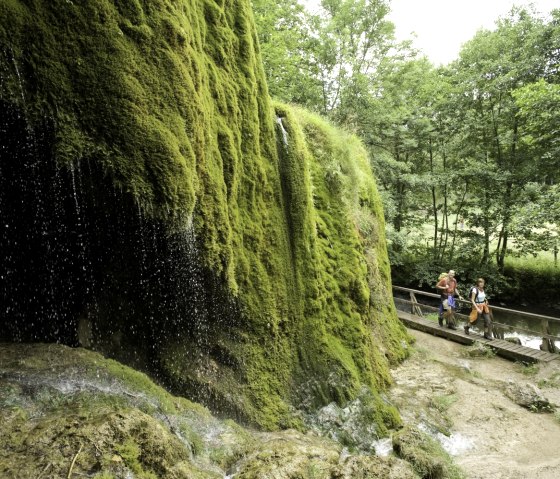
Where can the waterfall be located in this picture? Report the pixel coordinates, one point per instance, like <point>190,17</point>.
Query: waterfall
<point>280,123</point>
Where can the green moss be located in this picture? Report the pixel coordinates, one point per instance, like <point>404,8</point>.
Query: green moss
<point>130,453</point>
<point>425,454</point>
<point>170,99</point>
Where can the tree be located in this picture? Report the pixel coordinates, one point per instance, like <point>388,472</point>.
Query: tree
<point>538,107</point>
<point>490,68</point>
<point>287,46</point>
<point>322,61</point>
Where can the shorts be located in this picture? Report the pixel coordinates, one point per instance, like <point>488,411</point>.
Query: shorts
<point>449,303</point>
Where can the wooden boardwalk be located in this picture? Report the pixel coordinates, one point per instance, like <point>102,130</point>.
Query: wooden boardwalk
<point>502,348</point>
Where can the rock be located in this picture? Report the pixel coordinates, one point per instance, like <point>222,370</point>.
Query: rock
<point>478,350</point>
<point>426,455</point>
<point>357,425</point>
<point>130,427</point>
<point>372,467</point>
<point>290,455</point>
<point>528,396</point>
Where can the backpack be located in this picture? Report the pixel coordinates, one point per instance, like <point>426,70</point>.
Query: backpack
<point>475,289</point>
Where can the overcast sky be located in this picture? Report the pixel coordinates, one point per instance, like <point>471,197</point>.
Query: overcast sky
<point>442,26</point>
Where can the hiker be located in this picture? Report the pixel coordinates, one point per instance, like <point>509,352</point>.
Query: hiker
<point>480,309</point>
<point>447,287</point>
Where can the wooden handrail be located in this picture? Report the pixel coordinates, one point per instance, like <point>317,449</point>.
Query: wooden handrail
<point>495,308</point>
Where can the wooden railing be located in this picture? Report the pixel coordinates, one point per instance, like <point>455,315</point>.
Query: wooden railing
<point>543,331</point>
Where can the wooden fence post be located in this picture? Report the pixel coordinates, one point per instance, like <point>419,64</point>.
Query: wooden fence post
<point>415,308</point>
<point>547,343</point>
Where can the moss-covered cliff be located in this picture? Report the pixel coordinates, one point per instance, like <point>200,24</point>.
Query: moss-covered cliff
<point>166,102</point>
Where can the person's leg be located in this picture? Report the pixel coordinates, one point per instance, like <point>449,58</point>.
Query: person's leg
<point>467,326</point>
<point>440,315</point>
<point>451,313</point>
<point>487,326</point>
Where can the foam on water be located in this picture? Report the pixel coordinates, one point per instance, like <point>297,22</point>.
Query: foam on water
<point>383,447</point>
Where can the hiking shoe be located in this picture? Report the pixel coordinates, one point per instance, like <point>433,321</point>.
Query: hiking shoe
<point>452,326</point>
<point>440,321</point>
<point>466,328</point>
<point>487,336</point>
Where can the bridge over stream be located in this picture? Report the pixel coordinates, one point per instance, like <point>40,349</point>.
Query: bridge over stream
<point>413,314</point>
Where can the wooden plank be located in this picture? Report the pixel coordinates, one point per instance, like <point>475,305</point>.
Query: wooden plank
<point>543,354</point>
<point>517,347</point>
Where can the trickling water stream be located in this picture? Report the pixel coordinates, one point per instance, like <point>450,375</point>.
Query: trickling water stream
<point>280,123</point>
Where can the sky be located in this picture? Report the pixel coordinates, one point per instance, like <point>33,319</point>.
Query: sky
<point>442,26</point>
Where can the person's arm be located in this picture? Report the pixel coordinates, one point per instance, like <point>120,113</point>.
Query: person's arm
<point>440,286</point>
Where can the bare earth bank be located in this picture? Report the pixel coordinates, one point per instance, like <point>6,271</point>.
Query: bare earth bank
<point>442,388</point>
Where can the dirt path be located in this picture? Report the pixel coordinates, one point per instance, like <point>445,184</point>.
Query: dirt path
<point>442,389</point>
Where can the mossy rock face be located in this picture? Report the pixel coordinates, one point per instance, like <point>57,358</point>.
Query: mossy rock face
<point>292,455</point>
<point>60,405</point>
<point>166,103</point>
<point>57,403</point>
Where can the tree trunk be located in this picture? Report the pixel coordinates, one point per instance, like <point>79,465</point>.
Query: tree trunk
<point>485,206</point>
<point>434,201</point>
<point>508,201</point>
<point>458,213</point>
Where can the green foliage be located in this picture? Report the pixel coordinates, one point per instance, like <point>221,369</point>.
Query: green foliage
<point>532,274</point>
<point>551,382</point>
<point>529,369</point>
<point>466,153</point>
<point>539,104</point>
<point>321,59</point>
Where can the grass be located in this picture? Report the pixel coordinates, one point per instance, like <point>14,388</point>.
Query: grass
<point>551,382</point>
<point>529,369</point>
<point>443,402</point>
<point>432,317</point>
<point>544,262</point>
<point>478,350</point>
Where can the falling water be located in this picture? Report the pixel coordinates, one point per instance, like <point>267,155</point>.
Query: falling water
<point>20,82</point>
<point>280,123</point>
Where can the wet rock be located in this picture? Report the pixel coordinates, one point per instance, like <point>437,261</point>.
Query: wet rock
<point>373,468</point>
<point>478,350</point>
<point>529,397</point>
<point>56,401</point>
<point>426,455</point>
<point>359,424</point>
<point>291,455</point>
